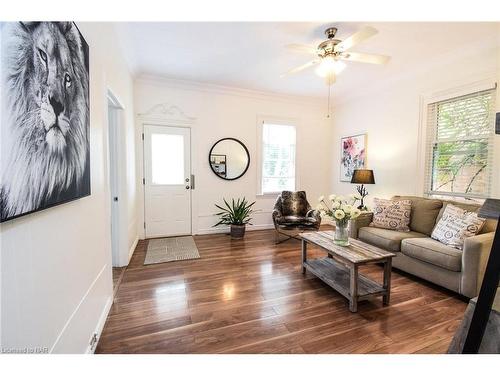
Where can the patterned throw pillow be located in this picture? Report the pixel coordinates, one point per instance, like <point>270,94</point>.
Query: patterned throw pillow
<point>389,214</point>
<point>456,225</point>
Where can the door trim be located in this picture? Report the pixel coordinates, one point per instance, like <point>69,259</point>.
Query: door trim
<point>119,234</point>
<point>165,114</point>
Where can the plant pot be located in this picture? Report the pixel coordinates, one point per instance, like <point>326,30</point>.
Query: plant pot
<point>237,231</point>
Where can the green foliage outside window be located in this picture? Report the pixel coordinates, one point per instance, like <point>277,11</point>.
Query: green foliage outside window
<point>460,152</point>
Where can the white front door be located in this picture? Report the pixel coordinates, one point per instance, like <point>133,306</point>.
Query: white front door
<point>167,174</point>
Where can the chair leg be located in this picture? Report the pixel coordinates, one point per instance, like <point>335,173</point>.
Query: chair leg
<point>287,237</point>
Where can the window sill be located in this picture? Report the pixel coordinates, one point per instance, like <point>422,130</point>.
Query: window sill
<point>268,195</point>
<point>456,198</point>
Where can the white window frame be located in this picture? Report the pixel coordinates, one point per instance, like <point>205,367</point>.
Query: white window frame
<point>274,120</point>
<point>423,163</point>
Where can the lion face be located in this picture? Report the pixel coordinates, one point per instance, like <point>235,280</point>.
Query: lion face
<point>53,77</point>
<point>45,71</point>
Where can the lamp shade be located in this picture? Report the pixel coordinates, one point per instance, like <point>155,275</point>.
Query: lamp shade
<point>363,176</point>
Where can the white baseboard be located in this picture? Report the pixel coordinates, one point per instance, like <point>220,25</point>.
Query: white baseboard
<point>79,328</point>
<point>100,324</point>
<point>226,229</point>
<point>132,249</point>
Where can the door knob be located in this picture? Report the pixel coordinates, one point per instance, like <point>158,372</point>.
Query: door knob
<point>187,187</point>
<point>187,179</point>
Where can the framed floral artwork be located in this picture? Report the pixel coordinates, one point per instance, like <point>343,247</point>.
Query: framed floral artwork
<point>353,155</point>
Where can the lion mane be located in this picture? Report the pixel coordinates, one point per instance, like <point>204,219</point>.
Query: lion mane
<point>36,173</point>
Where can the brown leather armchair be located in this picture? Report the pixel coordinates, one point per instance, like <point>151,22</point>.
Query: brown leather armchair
<point>293,215</point>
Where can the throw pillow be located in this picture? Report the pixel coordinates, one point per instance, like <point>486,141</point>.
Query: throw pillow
<point>391,214</point>
<point>456,225</point>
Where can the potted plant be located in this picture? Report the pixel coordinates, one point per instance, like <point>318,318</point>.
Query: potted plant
<point>341,211</point>
<point>237,215</point>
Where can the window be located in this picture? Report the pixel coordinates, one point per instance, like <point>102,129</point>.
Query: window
<point>167,159</point>
<point>460,146</point>
<point>278,158</point>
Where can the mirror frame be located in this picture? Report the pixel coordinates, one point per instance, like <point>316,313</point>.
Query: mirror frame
<point>244,147</point>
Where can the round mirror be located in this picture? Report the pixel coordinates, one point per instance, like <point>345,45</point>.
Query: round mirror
<point>229,158</point>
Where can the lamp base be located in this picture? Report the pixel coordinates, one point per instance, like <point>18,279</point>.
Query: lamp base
<point>363,194</point>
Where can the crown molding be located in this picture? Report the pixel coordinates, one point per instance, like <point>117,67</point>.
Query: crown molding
<point>227,90</point>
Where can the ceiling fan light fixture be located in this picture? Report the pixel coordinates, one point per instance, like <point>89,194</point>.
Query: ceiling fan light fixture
<point>329,66</point>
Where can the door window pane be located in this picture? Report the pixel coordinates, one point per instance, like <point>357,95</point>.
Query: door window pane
<point>167,159</point>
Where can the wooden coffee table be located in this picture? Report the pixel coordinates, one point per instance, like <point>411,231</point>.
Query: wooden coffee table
<point>340,269</point>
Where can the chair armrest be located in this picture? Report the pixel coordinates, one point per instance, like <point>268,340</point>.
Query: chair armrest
<point>277,217</point>
<point>361,221</point>
<point>316,215</point>
<point>476,252</point>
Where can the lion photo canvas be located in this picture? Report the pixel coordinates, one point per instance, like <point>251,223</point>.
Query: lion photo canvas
<point>45,156</point>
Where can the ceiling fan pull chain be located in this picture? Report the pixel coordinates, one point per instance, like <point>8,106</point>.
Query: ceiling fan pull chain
<point>328,109</point>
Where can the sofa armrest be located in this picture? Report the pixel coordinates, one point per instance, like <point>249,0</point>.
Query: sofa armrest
<point>361,221</point>
<point>316,215</point>
<point>475,256</point>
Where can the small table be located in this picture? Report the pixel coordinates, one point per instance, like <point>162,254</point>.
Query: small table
<point>340,269</point>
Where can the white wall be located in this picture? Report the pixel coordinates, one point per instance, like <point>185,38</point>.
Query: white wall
<point>223,112</point>
<point>56,285</point>
<point>390,113</point>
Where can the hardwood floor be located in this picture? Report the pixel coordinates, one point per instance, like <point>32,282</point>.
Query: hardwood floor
<point>249,296</point>
<point>117,278</point>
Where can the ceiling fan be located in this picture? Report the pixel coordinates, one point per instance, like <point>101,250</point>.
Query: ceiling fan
<point>331,52</point>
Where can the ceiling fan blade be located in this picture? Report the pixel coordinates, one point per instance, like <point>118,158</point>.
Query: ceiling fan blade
<point>302,48</point>
<point>300,68</point>
<point>365,57</point>
<point>355,39</point>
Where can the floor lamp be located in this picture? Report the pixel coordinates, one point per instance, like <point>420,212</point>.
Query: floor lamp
<point>489,210</point>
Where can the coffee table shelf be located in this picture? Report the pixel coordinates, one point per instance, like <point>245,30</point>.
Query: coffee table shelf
<point>340,270</point>
<point>338,277</point>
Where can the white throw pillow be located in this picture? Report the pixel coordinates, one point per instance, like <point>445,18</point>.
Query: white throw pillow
<point>456,225</point>
<point>389,214</point>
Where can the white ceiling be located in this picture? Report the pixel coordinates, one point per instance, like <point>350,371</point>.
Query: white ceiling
<point>252,55</point>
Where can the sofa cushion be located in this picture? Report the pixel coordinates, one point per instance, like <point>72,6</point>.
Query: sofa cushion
<point>385,238</point>
<point>424,213</point>
<point>434,252</point>
<point>391,214</point>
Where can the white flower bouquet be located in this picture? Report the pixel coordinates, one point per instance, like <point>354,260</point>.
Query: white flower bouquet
<point>341,210</point>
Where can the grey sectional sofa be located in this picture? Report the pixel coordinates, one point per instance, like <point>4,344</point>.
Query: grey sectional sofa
<point>417,253</point>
